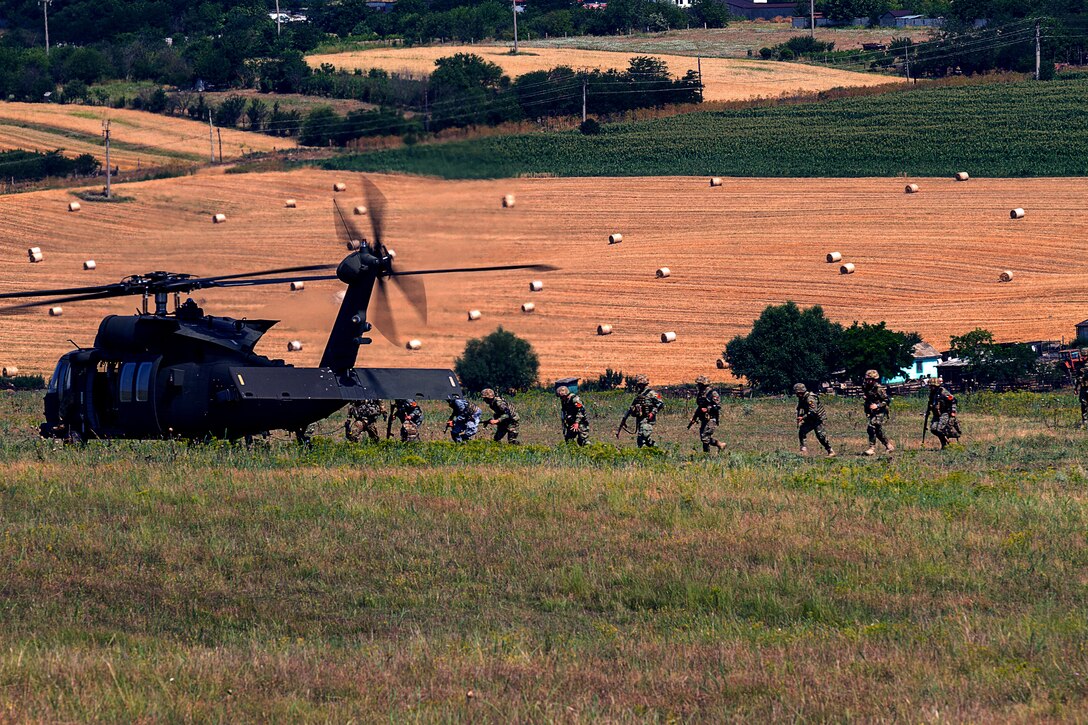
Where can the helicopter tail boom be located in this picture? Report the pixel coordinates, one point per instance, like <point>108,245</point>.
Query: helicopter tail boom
<point>281,384</point>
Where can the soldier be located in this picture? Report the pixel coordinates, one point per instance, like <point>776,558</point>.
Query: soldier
<point>363,417</point>
<point>505,420</point>
<point>810,419</point>
<point>575,420</point>
<point>644,408</point>
<point>1082,392</point>
<point>942,412</point>
<point>410,416</point>
<point>876,408</point>
<point>708,407</point>
<point>464,419</point>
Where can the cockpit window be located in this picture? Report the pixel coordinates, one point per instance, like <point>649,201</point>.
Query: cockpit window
<point>143,382</point>
<point>128,371</point>
<point>62,377</point>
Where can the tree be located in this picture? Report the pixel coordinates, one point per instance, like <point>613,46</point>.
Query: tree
<point>501,360</point>
<point>875,347</point>
<point>787,345</point>
<point>712,12</point>
<point>990,362</point>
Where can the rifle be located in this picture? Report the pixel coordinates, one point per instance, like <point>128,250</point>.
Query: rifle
<point>925,423</point>
<point>389,424</point>
<point>694,418</point>
<point>623,424</point>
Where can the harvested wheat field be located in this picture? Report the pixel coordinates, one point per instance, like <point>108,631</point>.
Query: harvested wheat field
<point>725,79</point>
<point>928,262</point>
<point>137,137</point>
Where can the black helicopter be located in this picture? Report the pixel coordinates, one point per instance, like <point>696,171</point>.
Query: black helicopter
<point>185,374</point>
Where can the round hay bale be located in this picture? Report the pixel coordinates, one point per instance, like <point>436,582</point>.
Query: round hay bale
<point>662,272</point>
<point>615,238</point>
<point>56,311</point>
<point>536,285</point>
<point>359,211</point>
<point>847,268</point>
<point>962,176</point>
<point>338,186</point>
<point>414,345</point>
<point>290,204</point>
<point>508,201</point>
<point>298,286</point>
<point>528,307</point>
<point>668,336</point>
<point>219,218</point>
<point>35,255</point>
<point>11,371</point>
<point>604,329</point>
<point>90,265</point>
<point>721,364</point>
<point>833,257</point>
<point>74,206</point>
<point>913,188</point>
<point>1005,276</point>
<point>1016,213</point>
<point>353,245</point>
<point>474,315</point>
<point>294,346</point>
<point>715,181</point>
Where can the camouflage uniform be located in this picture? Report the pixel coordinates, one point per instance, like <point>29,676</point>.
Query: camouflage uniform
<point>708,407</point>
<point>876,408</point>
<point>1082,391</point>
<point>410,416</point>
<point>506,418</point>
<point>464,420</point>
<point>644,409</point>
<point>363,418</point>
<point>575,420</point>
<point>942,410</point>
<point>810,418</point>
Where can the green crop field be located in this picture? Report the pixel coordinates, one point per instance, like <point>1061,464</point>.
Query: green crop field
<point>999,129</point>
<point>167,582</point>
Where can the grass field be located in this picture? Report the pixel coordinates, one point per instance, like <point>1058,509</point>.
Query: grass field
<point>723,79</point>
<point>1005,129</point>
<point>436,583</point>
<point>137,137</point>
<point>927,262</point>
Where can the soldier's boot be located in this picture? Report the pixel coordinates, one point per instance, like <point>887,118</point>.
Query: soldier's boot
<point>720,445</point>
<point>890,447</point>
<point>870,451</point>
<point>831,453</point>
<point>804,450</point>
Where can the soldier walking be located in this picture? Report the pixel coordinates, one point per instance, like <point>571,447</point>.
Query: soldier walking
<point>505,417</point>
<point>708,408</point>
<point>644,409</point>
<point>1082,393</point>
<point>363,416</point>
<point>575,420</point>
<point>410,416</point>
<point>942,411</point>
<point>464,419</point>
<point>876,408</point>
<point>810,419</point>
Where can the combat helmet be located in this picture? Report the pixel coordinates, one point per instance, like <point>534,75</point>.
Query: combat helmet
<point>487,394</point>
<point>641,381</point>
<point>562,391</point>
<point>799,388</point>
<point>935,382</point>
<point>872,375</point>
<point>702,380</point>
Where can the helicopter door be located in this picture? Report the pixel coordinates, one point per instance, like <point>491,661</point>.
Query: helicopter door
<point>136,399</point>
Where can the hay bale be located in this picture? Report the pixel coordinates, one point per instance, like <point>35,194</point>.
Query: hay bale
<point>662,272</point>
<point>89,265</point>
<point>353,245</point>
<point>74,206</point>
<point>615,238</point>
<point>290,204</point>
<point>359,211</point>
<point>56,311</point>
<point>528,307</point>
<point>298,286</point>
<point>508,201</point>
<point>721,364</point>
<point>338,186</point>
<point>833,257</point>
<point>536,285</point>
<point>11,371</point>
<point>35,255</point>
<point>715,181</point>
<point>474,315</point>
<point>294,346</point>
<point>219,218</point>
<point>1016,213</point>
<point>912,188</point>
<point>669,336</point>
<point>604,329</point>
<point>847,268</point>
<point>1005,276</point>
<point>962,176</point>
<point>414,344</point>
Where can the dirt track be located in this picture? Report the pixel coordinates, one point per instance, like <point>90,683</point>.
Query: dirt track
<point>926,262</point>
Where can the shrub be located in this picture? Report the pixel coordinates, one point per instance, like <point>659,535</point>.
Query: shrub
<point>590,127</point>
<point>501,360</point>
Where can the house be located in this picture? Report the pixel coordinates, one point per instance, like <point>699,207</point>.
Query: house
<point>1082,332</point>
<point>803,22</point>
<point>926,359</point>
<point>907,19</point>
<point>760,9</point>
<point>951,370</point>
<point>384,6</point>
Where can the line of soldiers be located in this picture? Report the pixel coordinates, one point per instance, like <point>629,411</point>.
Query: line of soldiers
<point>465,416</point>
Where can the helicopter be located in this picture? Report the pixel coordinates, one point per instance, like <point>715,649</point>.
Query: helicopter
<point>185,374</point>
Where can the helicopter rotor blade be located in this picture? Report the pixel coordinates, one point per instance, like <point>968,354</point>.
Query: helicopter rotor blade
<point>205,284</point>
<point>60,300</point>
<point>64,291</point>
<point>465,270</point>
<point>381,312</point>
<point>376,208</point>
<point>415,292</point>
<point>266,272</point>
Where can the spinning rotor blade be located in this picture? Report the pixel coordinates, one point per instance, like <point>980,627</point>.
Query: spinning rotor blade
<point>416,293</point>
<point>265,272</point>
<point>461,270</point>
<point>375,204</point>
<point>381,312</point>
<point>257,282</point>
<point>65,291</point>
<point>59,300</point>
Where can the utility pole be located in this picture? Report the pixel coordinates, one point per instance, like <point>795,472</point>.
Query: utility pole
<point>585,82</point>
<point>278,21</point>
<point>699,62</point>
<point>1038,51</point>
<point>109,169</point>
<point>211,136</point>
<point>907,56</point>
<point>45,16</point>
<point>811,18</point>
<point>514,6</point>
<point>219,135</point>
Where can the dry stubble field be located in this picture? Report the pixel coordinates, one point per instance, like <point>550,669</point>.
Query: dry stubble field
<point>927,262</point>
<point>724,79</point>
